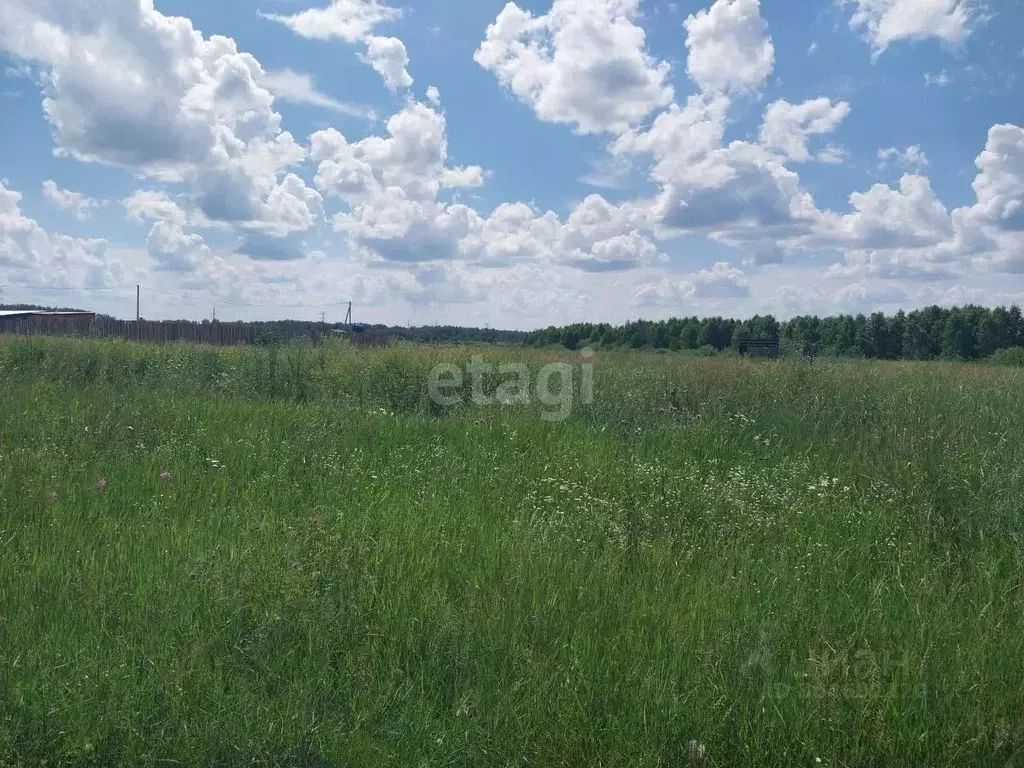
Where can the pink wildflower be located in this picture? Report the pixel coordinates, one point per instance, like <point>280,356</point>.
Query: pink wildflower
<point>101,483</point>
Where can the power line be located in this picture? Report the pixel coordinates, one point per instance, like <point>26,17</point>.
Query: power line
<point>177,295</point>
<point>254,304</point>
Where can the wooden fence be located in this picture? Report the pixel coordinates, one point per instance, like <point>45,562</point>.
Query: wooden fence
<point>159,331</point>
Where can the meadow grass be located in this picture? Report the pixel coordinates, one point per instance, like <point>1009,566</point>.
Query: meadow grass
<point>790,564</point>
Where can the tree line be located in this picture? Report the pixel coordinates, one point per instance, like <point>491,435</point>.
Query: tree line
<point>966,333</point>
<point>275,331</point>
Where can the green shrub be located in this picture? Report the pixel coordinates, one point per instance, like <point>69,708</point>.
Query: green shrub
<point>1011,356</point>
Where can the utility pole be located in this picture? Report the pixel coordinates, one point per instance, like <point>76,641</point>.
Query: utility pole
<point>215,313</point>
<point>348,317</point>
<point>323,318</point>
<point>138,302</point>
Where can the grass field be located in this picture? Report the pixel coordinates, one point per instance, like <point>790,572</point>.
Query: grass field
<point>294,557</point>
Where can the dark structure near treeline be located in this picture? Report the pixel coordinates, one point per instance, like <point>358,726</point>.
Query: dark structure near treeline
<point>358,335</point>
<point>76,324</point>
<point>760,348</point>
<point>49,322</point>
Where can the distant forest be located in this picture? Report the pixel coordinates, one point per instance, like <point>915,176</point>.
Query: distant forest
<point>966,333</point>
<point>271,331</point>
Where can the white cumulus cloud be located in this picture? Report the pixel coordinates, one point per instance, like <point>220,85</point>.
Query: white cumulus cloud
<point>908,217</point>
<point>348,20</point>
<point>787,127</point>
<point>722,281</point>
<point>584,63</point>
<point>127,85</point>
<point>885,22</point>
<point>79,205</point>
<point>912,158</point>
<point>153,205</point>
<point>30,253</point>
<point>729,48</point>
<point>354,21</point>
<point>388,57</point>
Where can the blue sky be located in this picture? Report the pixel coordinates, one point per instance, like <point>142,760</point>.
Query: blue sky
<point>511,164</point>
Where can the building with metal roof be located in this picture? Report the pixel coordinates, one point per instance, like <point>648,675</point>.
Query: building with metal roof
<point>47,313</point>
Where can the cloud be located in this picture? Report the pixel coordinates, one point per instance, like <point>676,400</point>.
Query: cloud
<point>462,177</point>
<point>907,234</point>
<point>388,57</point>
<point>353,21</point>
<point>740,194</point>
<point>941,79</point>
<point>165,116</point>
<point>79,205</point>
<point>619,252</point>
<point>299,88</point>
<point>584,63</point>
<point>291,207</point>
<point>348,20</point>
<point>196,121</point>
<point>722,281</point>
<point>729,47</point>
<point>597,236</point>
<point>992,230</point>
<point>175,251</point>
<point>786,127</point>
<point>911,158</point>
<point>999,185</point>
<point>129,86</point>
<point>168,244</point>
<point>390,185</point>
<point>410,163</point>
<point>866,295</point>
<point>831,155</point>
<point>886,218</point>
<point>888,21</point>
<point>153,205</point>
<point>679,137</point>
<point>734,188</point>
<point>664,293</point>
<point>264,247</point>
<point>898,264</point>
<point>29,252</point>
<point>601,236</point>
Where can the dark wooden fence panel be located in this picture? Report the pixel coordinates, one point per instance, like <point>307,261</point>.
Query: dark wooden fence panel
<point>158,331</point>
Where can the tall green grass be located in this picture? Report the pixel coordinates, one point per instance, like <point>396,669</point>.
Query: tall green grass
<point>784,562</point>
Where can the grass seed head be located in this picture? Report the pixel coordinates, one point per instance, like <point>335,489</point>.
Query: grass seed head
<point>697,754</point>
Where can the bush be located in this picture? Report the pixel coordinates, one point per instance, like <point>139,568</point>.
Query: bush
<point>1011,356</point>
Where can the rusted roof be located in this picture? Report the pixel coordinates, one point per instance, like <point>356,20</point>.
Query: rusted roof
<point>45,313</point>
